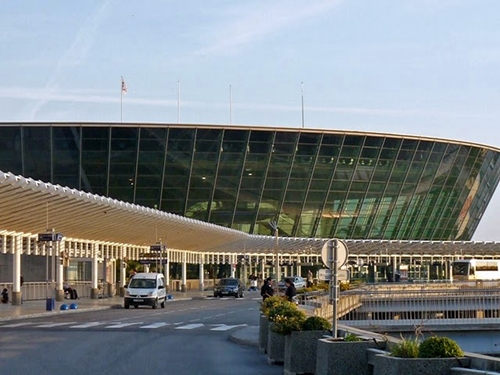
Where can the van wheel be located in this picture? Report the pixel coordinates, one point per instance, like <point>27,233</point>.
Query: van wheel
<point>126,305</point>
<point>136,306</point>
<point>163,304</point>
<point>155,304</point>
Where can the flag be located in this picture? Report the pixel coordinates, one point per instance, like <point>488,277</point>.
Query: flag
<point>124,87</point>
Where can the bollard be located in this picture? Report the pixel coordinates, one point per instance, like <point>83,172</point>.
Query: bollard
<point>73,306</point>
<point>64,306</point>
<point>50,304</point>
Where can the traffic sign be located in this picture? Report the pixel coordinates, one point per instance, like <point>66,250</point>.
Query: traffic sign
<point>341,253</point>
<point>326,274</point>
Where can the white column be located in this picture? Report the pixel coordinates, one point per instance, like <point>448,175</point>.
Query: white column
<point>202,272</point>
<point>94,293</point>
<point>16,270</point>
<point>184,273</point>
<point>233,265</point>
<point>166,272</point>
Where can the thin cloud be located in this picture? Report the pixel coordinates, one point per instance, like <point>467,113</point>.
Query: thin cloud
<point>249,24</point>
<point>75,55</point>
<point>106,97</point>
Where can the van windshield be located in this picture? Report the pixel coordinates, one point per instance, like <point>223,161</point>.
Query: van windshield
<point>142,283</point>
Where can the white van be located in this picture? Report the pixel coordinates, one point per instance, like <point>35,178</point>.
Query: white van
<point>146,289</point>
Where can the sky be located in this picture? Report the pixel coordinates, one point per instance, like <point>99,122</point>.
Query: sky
<point>419,67</point>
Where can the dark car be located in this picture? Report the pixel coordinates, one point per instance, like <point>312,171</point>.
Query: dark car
<point>229,287</point>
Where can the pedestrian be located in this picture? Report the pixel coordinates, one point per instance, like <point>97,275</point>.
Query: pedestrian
<point>290,291</point>
<point>5,295</point>
<point>309,279</point>
<point>253,283</point>
<point>267,289</point>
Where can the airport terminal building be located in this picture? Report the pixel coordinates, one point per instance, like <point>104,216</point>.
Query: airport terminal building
<point>313,183</point>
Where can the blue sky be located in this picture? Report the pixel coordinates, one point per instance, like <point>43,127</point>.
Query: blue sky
<point>422,67</point>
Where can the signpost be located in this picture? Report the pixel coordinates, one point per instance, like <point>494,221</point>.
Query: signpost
<point>334,254</point>
<point>49,240</point>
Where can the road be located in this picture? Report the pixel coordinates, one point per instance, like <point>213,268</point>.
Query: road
<point>187,337</point>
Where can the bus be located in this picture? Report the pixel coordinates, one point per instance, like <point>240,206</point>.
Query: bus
<point>476,269</point>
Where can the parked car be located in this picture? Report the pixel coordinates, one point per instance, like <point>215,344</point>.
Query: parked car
<point>298,281</point>
<point>146,289</point>
<point>229,287</point>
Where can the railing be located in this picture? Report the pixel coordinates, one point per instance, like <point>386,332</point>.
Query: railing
<point>32,291</point>
<point>431,304</point>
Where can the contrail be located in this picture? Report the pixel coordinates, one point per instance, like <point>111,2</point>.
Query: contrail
<point>75,54</point>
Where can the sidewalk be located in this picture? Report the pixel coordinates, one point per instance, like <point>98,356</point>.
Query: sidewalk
<point>35,309</point>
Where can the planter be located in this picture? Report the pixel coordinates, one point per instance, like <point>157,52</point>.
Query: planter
<point>275,346</point>
<point>263,333</point>
<point>300,351</point>
<point>336,356</point>
<point>388,365</point>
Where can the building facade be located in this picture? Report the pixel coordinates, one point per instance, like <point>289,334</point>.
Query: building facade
<point>313,183</point>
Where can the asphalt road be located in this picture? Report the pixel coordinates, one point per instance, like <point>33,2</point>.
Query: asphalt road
<point>187,337</point>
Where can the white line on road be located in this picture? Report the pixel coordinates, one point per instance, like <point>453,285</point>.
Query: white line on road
<point>155,325</point>
<point>191,326</point>
<point>224,327</point>
<point>17,325</point>
<point>123,325</point>
<point>50,325</point>
<point>86,325</point>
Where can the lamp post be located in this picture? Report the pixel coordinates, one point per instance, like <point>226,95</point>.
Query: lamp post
<point>49,240</point>
<point>274,225</point>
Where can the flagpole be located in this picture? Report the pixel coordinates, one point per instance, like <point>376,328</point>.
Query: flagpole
<point>178,102</point>
<point>121,103</point>
<point>302,97</point>
<point>230,105</point>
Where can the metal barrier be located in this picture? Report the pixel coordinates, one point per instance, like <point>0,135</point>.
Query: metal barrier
<point>410,305</point>
<point>33,291</point>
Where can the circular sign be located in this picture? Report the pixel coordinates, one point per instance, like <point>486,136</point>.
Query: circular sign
<point>341,253</point>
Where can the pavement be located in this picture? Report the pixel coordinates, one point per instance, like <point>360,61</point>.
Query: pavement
<point>248,335</point>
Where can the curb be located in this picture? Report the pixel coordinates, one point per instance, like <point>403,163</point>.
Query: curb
<point>51,313</point>
<point>244,337</point>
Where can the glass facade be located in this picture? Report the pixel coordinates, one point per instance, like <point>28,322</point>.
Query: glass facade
<point>313,183</point>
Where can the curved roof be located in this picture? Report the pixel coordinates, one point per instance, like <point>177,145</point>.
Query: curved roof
<point>31,207</point>
<point>256,127</point>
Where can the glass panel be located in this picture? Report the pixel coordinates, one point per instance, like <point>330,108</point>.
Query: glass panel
<point>123,161</point>
<point>66,151</point>
<point>150,166</point>
<point>95,144</point>
<point>37,152</point>
<point>10,149</point>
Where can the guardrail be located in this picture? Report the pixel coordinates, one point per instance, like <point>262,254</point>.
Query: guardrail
<point>33,291</point>
<point>394,306</point>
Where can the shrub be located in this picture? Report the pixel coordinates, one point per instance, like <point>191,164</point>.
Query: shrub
<point>439,347</point>
<point>316,323</point>
<point>407,348</point>
<point>270,302</point>
<point>352,337</point>
<point>282,308</point>
<point>284,325</point>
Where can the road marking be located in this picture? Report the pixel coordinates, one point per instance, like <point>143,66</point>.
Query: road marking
<point>17,325</point>
<point>50,325</point>
<point>191,326</point>
<point>155,325</point>
<point>86,325</point>
<point>223,327</point>
<point>123,325</point>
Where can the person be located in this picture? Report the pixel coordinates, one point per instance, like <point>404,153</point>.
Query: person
<point>69,292</point>
<point>290,291</point>
<point>309,279</point>
<point>253,283</point>
<point>5,295</point>
<point>267,289</point>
